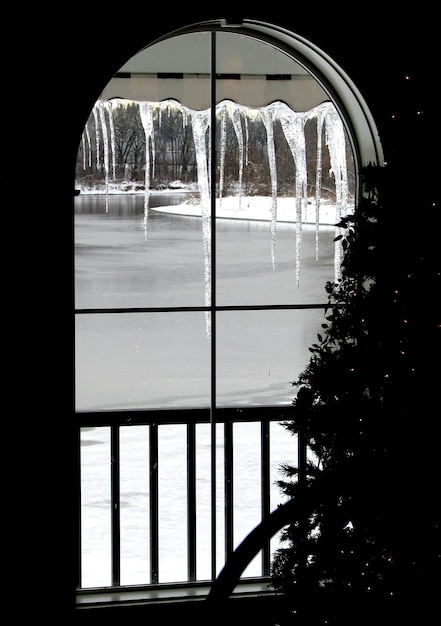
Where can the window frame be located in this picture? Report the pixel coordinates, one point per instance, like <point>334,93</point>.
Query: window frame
<point>366,149</point>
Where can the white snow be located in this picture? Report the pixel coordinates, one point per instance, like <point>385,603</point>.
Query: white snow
<point>258,208</point>
<point>229,207</point>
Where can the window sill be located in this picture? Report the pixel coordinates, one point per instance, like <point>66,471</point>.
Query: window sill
<point>165,594</point>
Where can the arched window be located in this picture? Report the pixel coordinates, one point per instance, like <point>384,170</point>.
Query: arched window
<point>211,174</point>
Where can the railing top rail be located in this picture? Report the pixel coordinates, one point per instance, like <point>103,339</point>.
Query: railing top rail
<point>183,416</point>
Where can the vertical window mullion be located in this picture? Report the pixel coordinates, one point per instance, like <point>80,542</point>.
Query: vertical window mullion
<point>115,504</point>
<point>213,303</point>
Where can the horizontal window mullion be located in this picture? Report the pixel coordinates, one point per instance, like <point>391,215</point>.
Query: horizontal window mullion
<point>105,311</point>
<point>228,307</point>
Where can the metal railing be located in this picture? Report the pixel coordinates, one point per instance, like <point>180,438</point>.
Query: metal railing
<point>154,422</point>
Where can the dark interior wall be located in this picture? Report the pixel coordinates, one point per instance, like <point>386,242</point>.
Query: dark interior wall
<point>55,64</point>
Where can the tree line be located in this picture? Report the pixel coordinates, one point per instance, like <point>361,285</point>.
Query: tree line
<point>173,155</point>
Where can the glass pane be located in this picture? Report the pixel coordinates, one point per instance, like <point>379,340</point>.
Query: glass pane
<point>172,486</point>
<point>142,360</point>
<point>144,148</point>
<point>177,68</point>
<point>95,507</point>
<point>260,353</point>
<point>134,505</point>
<point>121,262</point>
<point>203,500</point>
<point>247,500</point>
<point>246,274</point>
<point>283,450</point>
<point>249,71</point>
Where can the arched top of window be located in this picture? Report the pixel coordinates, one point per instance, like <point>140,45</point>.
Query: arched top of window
<point>268,55</point>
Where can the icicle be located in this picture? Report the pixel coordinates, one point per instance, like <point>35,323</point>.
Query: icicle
<point>247,136</point>
<point>318,181</point>
<point>235,116</point>
<point>233,110</point>
<point>97,136</point>
<point>293,126</point>
<point>112,135</point>
<point>267,117</point>
<point>200,123</point>
<point>223,141</point>
<point>184,112</point>
<point>106,150</point>
<point>145,111</point>
<point>89,146</point>
<point>83,142</point>
<point>335,140</point>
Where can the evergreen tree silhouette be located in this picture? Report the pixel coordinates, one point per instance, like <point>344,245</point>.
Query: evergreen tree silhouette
<point>368,548</point>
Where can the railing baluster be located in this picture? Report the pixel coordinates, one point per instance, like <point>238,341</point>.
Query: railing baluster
<point>191,501</point>
<point>265,489</point>
<point>115,504</point>
<point>154,507</point>
<point>229,488</point>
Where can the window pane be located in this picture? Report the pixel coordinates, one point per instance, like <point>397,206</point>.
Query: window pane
<point>177,68</point>
<point>247,486</point>
<point>134,505</point>
<point>138,141</point>
<point>246,275</point>
<point>251,69</point>
<point>142,360</point>
<point>203,500</point>
<point>172,479</point>
<point>95,507</point>
<point>122,262</point>
<point>283,451</point>
<point>260,353</point>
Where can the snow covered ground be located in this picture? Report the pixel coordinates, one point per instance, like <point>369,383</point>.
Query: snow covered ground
<point>232,207</point>
<point>258,208</point>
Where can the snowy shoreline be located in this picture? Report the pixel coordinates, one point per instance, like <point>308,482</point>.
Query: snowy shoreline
<point>256,208</point>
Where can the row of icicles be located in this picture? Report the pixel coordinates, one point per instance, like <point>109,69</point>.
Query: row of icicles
<point>293,125</point>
